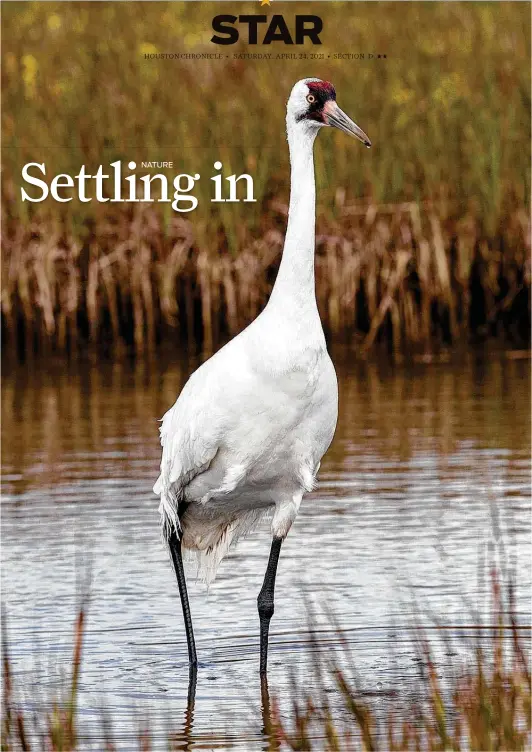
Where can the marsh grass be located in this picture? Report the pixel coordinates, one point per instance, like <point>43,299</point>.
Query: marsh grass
<point>390,274</point>
<point>486,704</point>
<point>422,240</point>
<point>55,724</point>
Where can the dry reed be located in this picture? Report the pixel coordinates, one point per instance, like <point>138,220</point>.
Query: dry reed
<point>393,274</point>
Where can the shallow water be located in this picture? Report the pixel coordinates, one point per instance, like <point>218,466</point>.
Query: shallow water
<point>429,471</point>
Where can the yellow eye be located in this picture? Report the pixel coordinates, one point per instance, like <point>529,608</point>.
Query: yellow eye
<point>311,98</point>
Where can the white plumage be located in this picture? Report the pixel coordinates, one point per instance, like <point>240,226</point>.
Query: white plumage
<point>249,429</point>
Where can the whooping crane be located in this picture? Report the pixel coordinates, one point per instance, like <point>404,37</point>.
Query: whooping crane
<point>248,431</point>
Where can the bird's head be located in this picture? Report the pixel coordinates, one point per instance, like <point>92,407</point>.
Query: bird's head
<point>312,103</point>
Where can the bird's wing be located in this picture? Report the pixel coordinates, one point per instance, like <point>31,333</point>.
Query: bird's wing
<point>190,437</point>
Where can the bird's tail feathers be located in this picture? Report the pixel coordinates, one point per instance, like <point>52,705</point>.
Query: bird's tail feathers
<point>205,542</point>
<point>203,563</point>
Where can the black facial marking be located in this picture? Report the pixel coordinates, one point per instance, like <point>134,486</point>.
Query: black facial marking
<point>322,91</point>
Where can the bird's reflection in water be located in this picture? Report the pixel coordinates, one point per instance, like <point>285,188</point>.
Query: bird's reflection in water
<point>184,740</point>
<point>268,733</point>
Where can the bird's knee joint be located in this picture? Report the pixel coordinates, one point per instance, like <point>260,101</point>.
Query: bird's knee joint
<point>265,606</point>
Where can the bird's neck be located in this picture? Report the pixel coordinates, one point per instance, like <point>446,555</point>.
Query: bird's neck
<point>294,286</point>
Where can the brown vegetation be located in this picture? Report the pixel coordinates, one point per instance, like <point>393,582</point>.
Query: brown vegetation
<point>392,273</point>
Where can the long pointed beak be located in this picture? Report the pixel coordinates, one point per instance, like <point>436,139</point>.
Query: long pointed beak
<point>338,119</point>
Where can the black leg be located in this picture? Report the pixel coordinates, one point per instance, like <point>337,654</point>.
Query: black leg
<point>265,602</point>
<point>175,550</point>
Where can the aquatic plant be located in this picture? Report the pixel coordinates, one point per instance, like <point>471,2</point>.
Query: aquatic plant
<point>485,705</point>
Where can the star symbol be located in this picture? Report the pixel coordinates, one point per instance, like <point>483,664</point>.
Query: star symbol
<point>264,2</point>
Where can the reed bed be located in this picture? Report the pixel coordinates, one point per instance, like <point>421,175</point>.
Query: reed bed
<point>487,705</point>
<point>391,274</point>
<point>422,240</point>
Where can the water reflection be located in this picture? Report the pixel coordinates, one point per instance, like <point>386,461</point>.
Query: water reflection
<point>184,740</point>
<point>429,465</point>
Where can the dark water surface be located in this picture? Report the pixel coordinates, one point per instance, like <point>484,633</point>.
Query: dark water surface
<point>430,465</point>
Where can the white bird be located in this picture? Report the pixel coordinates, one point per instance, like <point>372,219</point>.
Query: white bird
<point>247,433</point>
